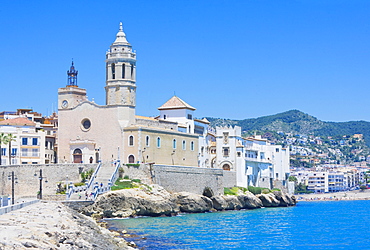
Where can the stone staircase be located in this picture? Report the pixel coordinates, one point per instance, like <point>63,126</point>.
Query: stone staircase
<point>100,184</point>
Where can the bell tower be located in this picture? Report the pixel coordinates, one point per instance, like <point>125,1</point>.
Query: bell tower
<point>71,96</point>
<point>72,76</point>
<point>121,73</point>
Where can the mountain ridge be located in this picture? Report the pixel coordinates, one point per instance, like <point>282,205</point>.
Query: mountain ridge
<point>295,121</point>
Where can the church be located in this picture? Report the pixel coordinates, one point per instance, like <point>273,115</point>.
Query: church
<point>89,132</point>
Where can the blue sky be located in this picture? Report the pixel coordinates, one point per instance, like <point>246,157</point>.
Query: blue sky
<point>229,59</point>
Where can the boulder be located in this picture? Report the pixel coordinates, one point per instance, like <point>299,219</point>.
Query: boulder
<point>219,203</point>
<point>193,203</point>
<point>232,202</point>
<point>130,202</point>
<point>249,200</point>
<point>268,200</point>
<point>285,200</point>
<point>208,192</point>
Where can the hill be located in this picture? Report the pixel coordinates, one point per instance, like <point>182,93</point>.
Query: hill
<point>297,122</point>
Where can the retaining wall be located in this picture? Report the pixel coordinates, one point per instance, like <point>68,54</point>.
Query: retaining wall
<point>28,184</point>
<point>191,179</point>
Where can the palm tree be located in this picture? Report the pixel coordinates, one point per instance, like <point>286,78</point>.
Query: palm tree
<point>8,140</point>
<point>2,140</point>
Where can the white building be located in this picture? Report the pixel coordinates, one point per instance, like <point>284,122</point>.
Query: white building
<point>256,162</point>
<point>28,145</point>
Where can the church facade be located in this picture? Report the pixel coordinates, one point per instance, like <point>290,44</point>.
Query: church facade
<point>89,132</point>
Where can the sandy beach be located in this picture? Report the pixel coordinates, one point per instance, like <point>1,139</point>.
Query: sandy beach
<point>348,195</point>
<point>51,225</point>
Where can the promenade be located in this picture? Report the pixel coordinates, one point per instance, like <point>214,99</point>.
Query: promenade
<point>348,195</point>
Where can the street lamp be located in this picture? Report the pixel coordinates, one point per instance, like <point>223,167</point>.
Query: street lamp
<point>40,178</point>
<point>12,177</point>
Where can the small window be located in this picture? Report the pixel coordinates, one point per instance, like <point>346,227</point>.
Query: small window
<point>174,144</point>
<point>131,159</point>
<point>147,141</point>
<point>14,151</point>
<point>132,71</point>
<point>158,142</point>
<point>113,67</point>
<point>277,150</point>
<point>190,117</point>
<point>24,141</point>
<point>131,141</point>
<point>3,151</point>
<point>184,145</point>
<point>239,154</point>
<point>226,151</point>
<point>123,71</point>
<point>192,146</point>
<point>86,124</point>
<point>24,151</point>
<point>164,117</point>
<point>35,152</point>
<point>34,141</point>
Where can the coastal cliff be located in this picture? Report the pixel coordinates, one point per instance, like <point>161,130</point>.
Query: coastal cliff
<point>155,201</point>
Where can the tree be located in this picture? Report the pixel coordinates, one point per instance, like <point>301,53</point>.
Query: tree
<point>8,140</point>
<point>292,178</point>
<point>2,140</point>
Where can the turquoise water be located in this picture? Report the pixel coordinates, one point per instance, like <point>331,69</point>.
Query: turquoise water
<point>309,225</point>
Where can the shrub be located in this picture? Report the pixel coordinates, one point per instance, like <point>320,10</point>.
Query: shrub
<point>132,165</point>
<point>126,177</point>
<point>266,191</point>
<point>120,172</point>
<point>79,184</point>
<point>136,180</point>
<point>228,191</point>
<point>255,190</point>
<point>275,189</point>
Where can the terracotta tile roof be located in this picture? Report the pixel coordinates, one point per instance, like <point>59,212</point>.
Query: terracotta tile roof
<point>20,121</point>
<point>176,103</point>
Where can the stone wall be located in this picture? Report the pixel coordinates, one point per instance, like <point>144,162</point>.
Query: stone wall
<point>141,172</point>
<point>229,178</point>
<point>180,178</point>
<point>28,184</point>
<point>189,179</point>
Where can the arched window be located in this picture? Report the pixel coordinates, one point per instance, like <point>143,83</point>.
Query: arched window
<point>158,142</point>
<point>184,145</point>
<point>174,143</point>
<point>77,156</point>
<point>106,71</point>
<point>147,141</point>
<point>192,146</point>
<point>123,71</point>
<point>131,141</point>
<point>226,151</point>
<point>132,71</point>
<point>113,67</point>
<point>226,167</point>
<point>131,159</point>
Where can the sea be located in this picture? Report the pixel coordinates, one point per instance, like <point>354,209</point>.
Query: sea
<point>308,225</point>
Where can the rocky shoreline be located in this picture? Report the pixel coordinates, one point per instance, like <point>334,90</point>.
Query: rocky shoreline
<point>51,225</point>
<point>155,201</point>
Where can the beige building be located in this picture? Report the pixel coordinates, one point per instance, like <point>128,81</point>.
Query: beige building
<point>89,132</point>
